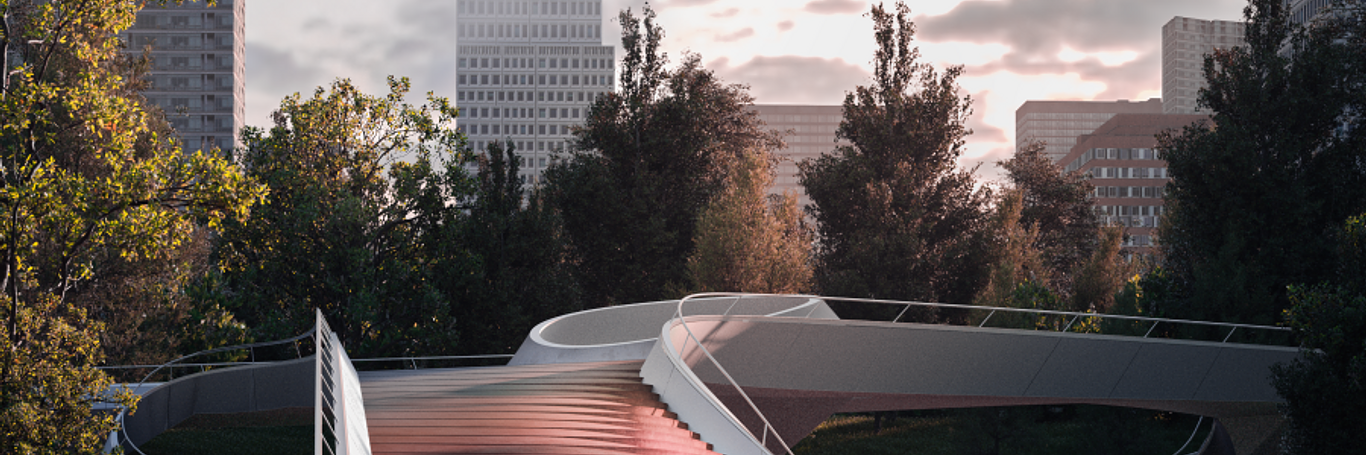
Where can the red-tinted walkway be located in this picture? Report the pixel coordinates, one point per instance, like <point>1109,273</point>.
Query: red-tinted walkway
<point>575,408</point>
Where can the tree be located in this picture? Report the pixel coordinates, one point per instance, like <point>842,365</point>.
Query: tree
<point>84,173</point>
<point>1257,190</point>
<point>748,241</point>
<point>148,307</point>
<point>1017,260</point>
<point>339,235</point>
<point>1325,389</point>
<point>1058,203</point>
<point>1095,281</point>
<point>648,159</point>
<point>144,304</point>
<point>523,275</point>
<point>895,217</point>
<point>1051,253</point>
<point>1023,277</point>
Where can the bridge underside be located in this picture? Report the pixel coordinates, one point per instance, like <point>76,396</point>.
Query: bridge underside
<point>796,413</point>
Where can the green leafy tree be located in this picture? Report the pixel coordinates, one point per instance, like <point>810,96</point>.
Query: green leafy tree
<point>895,216</point>
<point>1256,191</point>
<point>649,158</point>
<point>749,241</point>
<point>83,174</point>
<point>523,275</point>
<point>144,303</point>
<point>1325,390</point>
<point>339,235</point>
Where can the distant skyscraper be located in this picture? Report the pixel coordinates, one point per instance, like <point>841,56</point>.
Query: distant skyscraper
<point>1185,42</point>
<point>1304,11</point>
<point>1119,158</point>
<point>527,72</point>
<point>198,73</point>
<point>812,133</point>
<point>1058,123</point>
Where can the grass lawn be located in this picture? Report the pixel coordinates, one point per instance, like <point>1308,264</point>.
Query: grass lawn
<point>1024,430</point>
<point>287,431</point>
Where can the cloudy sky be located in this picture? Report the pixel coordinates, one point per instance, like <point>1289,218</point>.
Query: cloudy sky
<point>787,51</point>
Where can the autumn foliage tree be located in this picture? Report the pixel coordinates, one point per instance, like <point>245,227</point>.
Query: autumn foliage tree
<point>1050,251</point>
<point>1058,204</point>
<point>82,173</point>
<point>748,240</point>
<point>1016,259</point>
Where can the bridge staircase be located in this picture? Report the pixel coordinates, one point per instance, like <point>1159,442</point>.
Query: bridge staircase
<point>570,408</point>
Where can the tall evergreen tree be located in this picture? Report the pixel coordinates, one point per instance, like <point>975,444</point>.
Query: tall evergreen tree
<point>523,275</point>
<point>896,217</point>
<point>649,158</point>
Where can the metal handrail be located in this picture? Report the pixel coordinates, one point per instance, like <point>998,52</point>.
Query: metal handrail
<point>209,364</point>
<point>372,359</point>
<point>122,422</point>
<point>413,360</point>
<point>768,427</point>
<point>678,314</point>
<point>325,419</point>
<point>1075,315</point>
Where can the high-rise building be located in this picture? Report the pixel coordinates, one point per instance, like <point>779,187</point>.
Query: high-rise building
<point>808,131</point>
<point>198,72</point>
<point>1058,123</point>
<point>1305,11</point>
<point>1119,159</point>
<point>527,73</point>
<point>1185,42</point>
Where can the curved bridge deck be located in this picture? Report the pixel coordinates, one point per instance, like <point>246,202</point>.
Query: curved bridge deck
<point>800,371</point>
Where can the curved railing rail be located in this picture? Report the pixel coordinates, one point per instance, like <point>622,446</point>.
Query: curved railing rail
<point>120,437</point>
<point>413,361</point>
<point>768,427</point>
<point>114,438</point>
<point>408,362</point>
<point>1075,316</point>
<point>762,439</point>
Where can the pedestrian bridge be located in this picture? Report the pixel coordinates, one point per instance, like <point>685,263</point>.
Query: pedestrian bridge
<point>797,363</point>
<point>747,374</point>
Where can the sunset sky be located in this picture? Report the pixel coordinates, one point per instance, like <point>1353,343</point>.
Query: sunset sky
<point>787,51</point>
